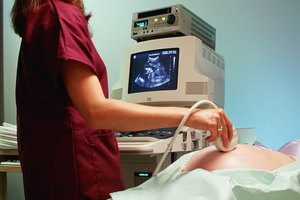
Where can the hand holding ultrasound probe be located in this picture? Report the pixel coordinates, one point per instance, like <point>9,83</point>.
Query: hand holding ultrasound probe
<point>217,142</point>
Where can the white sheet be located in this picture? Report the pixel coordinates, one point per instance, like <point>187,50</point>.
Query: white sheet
<point>244,184</point>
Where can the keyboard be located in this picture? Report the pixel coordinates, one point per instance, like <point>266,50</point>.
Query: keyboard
<point>162,133</point>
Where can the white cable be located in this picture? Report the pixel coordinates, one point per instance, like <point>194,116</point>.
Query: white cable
<point>186,116</point>
<point>218,142</point>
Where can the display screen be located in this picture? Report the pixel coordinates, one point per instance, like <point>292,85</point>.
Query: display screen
<point>154,70</point>
<point>143,23</point>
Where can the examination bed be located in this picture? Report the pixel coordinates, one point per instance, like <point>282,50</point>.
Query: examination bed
<point>224,184</point>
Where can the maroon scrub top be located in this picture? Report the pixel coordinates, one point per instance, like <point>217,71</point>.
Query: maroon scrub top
<point>61,157</point>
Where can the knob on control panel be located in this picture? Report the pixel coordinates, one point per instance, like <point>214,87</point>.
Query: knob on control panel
<point>171,19</point>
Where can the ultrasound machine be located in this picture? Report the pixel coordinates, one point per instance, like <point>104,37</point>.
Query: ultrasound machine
<point>173,63</point>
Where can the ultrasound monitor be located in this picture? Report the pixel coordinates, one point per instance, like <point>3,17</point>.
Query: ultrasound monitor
<point>175,71</point>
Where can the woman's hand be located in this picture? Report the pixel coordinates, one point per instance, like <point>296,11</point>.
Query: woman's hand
<point>214,120</point>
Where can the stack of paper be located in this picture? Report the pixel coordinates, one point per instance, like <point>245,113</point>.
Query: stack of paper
<point>8,136</point>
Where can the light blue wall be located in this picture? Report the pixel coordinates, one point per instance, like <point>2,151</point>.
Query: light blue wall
<point>11,45</point>
<point>1,63</point>
<point>259,40</point>
<point>10,55</point>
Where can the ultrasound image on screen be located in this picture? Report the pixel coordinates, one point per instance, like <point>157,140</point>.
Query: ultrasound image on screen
<point>154,70</point>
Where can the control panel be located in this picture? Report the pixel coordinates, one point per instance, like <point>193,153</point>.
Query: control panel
<point>171,21</point>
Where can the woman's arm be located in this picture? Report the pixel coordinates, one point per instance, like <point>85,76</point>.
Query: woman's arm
<point>84,89</point>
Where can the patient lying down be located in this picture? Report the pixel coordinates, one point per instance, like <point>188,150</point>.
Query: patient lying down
<point>244,156</point>
<point>247,171</point>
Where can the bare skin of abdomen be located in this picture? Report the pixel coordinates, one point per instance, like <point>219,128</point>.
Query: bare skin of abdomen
<point>243,156</point>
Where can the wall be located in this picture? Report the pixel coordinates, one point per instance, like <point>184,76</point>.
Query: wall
<point>10,54</point>
<point>1,63</point>
<point>11,44</point>
<point>259,40</point>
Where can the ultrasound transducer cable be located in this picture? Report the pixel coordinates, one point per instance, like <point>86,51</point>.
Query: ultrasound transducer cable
<point>218,142</point>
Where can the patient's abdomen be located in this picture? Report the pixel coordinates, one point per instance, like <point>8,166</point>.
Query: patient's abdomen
<point>244,156</point>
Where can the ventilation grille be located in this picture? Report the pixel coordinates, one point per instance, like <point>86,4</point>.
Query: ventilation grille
<point>204,31</point>
<point>199,88</point>
<point>213,58</point>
